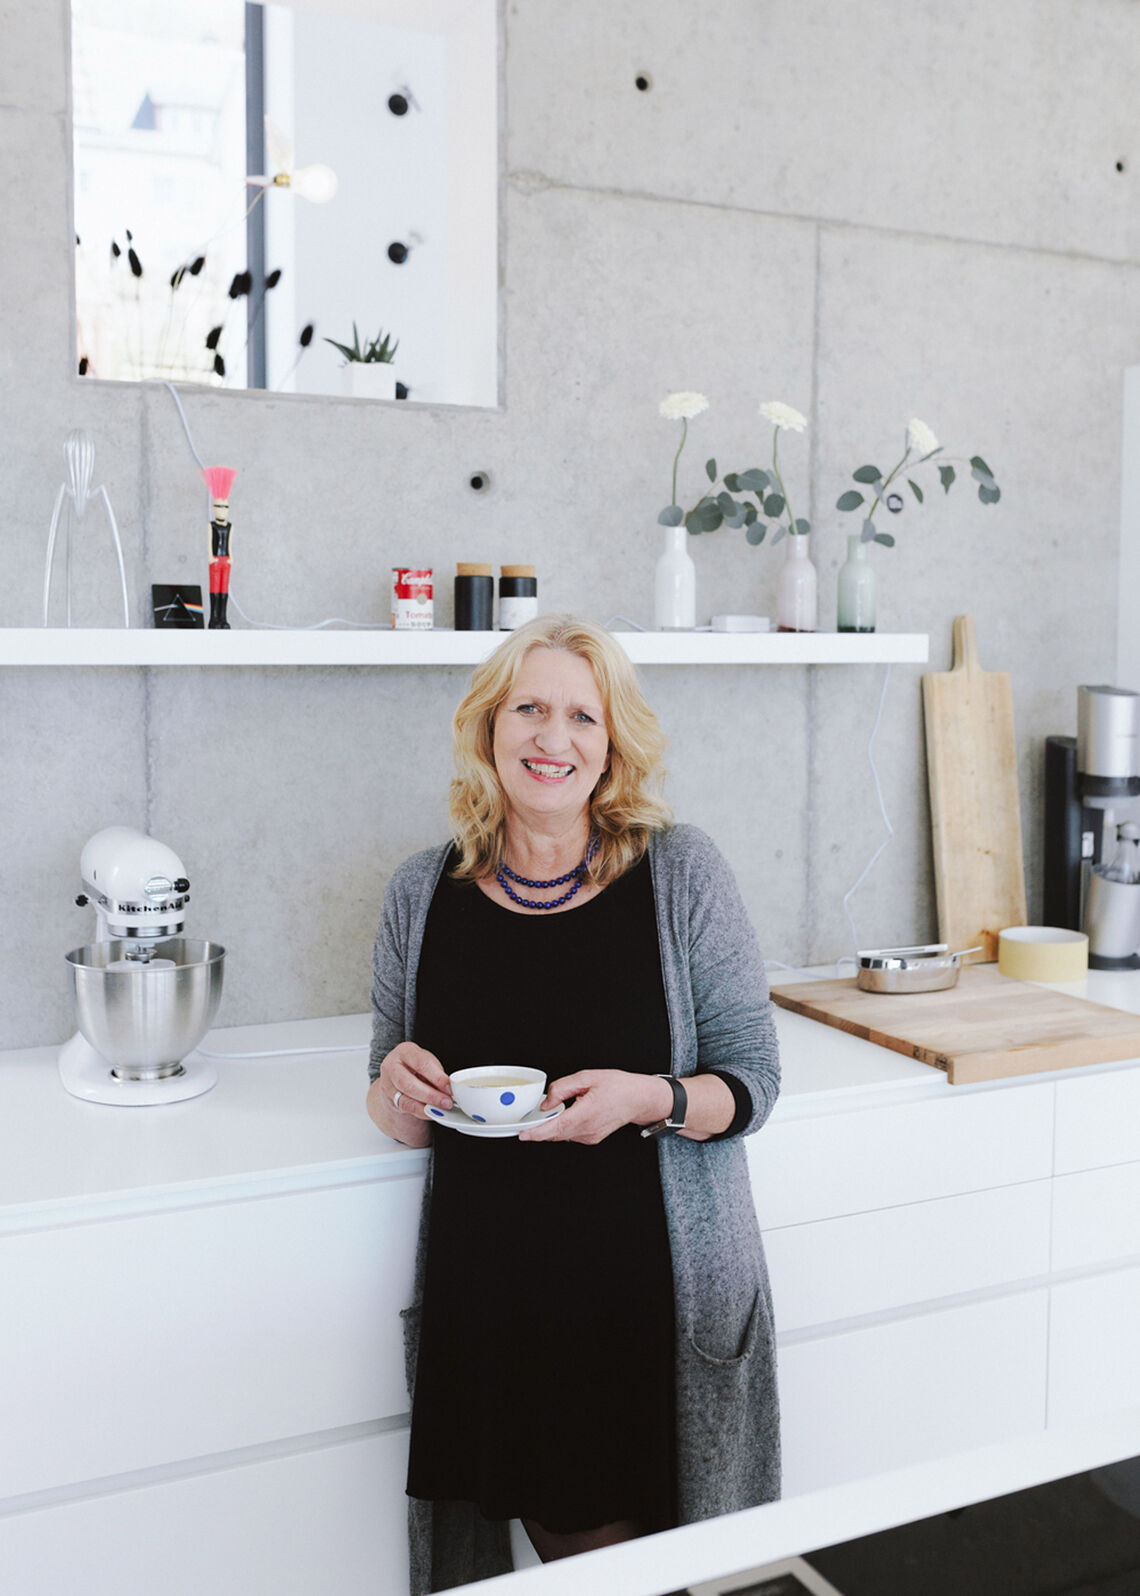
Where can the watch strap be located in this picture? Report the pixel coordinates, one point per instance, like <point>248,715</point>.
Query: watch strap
<point>675,1119</point>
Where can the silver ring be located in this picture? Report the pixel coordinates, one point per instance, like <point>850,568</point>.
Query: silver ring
<point>396,1101</point>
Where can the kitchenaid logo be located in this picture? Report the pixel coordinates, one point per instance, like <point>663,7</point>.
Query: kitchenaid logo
<point>149,908</point>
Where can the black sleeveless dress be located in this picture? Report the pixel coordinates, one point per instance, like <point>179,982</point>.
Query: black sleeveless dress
<point>545,1381</point>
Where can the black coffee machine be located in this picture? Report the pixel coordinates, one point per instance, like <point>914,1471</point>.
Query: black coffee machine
<point>1089,779</point>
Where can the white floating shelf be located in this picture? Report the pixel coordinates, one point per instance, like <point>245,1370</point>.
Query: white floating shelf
<point>34,645</point>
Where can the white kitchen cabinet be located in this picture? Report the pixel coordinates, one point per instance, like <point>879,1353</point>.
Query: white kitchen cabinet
<point>868,1263</point>
<point>330,1521</point>
<point>912,1389</point>
<point>1098,1119</point>
<point>201,1375</point>
<point>1096,1217</point>
<point>822,1165</point>
<point>1094,1333</point>
<point>149,1340</point>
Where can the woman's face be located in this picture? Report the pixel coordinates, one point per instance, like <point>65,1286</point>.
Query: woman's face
<point>551,741</point>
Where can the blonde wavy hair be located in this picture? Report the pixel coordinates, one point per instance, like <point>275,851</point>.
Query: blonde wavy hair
<point>625,806</point>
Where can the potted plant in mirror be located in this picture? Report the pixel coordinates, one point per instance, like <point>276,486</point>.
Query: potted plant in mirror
<point>369,371</point>
<point>856,596</point>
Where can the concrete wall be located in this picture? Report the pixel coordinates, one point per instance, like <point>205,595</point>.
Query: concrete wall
<point>871,212</point>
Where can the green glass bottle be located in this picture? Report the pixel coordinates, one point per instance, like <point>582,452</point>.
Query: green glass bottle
<point>856,589</point>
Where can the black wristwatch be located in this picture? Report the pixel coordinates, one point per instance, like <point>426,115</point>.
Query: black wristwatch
<point>676,1117</point>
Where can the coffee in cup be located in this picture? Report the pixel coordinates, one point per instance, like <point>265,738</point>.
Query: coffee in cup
<point>498,1094</point>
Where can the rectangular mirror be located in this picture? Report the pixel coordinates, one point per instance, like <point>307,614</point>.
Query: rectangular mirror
<point>256,184</point>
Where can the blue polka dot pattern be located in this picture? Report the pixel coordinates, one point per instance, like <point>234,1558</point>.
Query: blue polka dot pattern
<point>438,1112</point>
<point>506,1098</point>
<point>478,1118</point>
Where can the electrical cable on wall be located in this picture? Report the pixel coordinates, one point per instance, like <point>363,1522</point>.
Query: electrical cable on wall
<point>865,872</point>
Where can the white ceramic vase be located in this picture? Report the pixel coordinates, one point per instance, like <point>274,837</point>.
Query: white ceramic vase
<point>368,379</point>
<point>797,591</point>
<point>675,584</point>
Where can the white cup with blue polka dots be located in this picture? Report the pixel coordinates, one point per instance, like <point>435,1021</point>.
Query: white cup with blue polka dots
<point>498,1094</point>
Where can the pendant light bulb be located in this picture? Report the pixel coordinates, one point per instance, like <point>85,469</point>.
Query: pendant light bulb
<point>316,183</point>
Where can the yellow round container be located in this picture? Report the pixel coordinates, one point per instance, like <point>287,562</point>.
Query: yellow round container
<point>1043,953</point>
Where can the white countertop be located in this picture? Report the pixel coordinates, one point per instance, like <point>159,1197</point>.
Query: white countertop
<point>277,1123</point>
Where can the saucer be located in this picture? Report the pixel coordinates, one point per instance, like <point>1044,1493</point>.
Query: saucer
<point>458,1120</point>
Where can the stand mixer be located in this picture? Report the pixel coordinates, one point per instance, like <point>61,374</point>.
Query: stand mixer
<point>145,996</point>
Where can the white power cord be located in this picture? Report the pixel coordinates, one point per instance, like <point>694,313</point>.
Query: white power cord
<point>286,1052</point>
<point>865,872</point>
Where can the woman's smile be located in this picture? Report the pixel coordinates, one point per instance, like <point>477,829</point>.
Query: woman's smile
<point>547,772</point>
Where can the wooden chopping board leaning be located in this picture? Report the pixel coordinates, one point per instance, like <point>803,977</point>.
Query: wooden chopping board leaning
<point>975,809</point>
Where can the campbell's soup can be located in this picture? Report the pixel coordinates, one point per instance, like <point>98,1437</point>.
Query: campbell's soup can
<point>412,607</point>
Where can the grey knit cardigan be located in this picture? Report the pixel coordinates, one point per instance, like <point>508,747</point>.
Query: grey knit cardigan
<point>719,1017</point>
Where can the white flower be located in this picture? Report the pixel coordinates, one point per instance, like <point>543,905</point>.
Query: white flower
<point>920,437</point>
<point>683,406</point>
<point>782,415</point>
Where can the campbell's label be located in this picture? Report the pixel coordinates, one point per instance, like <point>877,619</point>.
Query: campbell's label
<point>412,601</point>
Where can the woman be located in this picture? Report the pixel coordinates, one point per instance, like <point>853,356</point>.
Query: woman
<point>590,1349</point>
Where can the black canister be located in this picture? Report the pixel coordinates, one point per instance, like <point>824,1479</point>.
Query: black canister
<point>474,598</point>
<point>518,596</point>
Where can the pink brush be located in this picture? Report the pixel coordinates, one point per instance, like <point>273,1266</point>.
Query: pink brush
<point>219,480</point>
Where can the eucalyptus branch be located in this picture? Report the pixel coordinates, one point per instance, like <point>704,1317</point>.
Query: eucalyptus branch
<point>918,436</point>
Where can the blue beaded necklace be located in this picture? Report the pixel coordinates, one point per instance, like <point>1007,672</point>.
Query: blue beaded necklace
<point>504,874</point>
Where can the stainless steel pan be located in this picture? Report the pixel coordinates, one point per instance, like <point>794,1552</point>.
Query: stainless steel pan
<point>928,968</point>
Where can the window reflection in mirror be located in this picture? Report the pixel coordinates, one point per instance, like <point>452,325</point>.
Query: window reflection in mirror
<point>256,185</point>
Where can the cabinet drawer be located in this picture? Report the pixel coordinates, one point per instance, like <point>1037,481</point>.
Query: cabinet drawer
<point>1098,1120</point>
<point>334,1519</point>
<point>821,1166</point>
<point>146,1340</point>
<point>1096,1216</point>
<point>902,1393</point>
<point>871,1263</point>
<point>1094,1330</point>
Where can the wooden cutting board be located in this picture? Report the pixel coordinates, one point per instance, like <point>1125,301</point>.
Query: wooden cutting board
<point>975,809</point>
<point>985,1027</point>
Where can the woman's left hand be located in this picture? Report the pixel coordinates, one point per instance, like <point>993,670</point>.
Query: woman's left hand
<point>604,1101</point>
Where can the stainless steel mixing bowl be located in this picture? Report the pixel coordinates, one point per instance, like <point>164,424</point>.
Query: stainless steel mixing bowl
<point>145,1019</point>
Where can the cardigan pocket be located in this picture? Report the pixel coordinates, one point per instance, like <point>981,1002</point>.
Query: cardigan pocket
<point>745,1345</point>
<point>727,1422</point>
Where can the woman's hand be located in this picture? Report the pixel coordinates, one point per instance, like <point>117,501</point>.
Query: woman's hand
<point>609,1099</point>
<point>604,1101</point>
<point>410,1078</point>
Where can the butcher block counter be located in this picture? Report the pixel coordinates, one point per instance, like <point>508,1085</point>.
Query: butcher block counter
<point>984,1027</point>
<point>202,1382</point>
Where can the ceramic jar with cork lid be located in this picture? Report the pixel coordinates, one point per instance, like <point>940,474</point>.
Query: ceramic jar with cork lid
<point>518,596</point>
<point>474,598</point>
